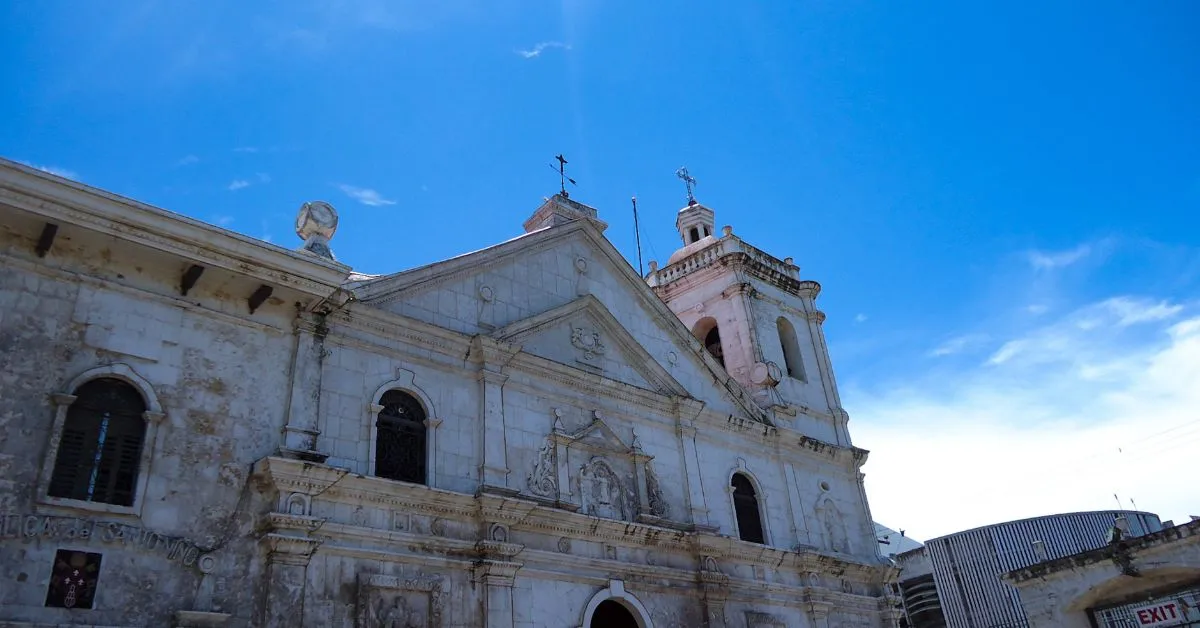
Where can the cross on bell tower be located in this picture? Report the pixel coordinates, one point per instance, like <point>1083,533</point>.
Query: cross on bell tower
<point>689,181</point>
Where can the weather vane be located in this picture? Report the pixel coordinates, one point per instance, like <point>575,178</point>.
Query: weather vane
<point>689,181</point>
<point>563,179</point>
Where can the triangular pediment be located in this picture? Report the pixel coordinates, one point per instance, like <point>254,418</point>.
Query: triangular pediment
<point>551,292</point>
<point>597,435</point>
<point>584,334</point>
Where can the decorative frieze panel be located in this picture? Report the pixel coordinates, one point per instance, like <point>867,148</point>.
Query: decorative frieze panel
<point>392,602</point>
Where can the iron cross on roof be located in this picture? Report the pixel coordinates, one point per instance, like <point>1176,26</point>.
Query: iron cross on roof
<point>689,181</point>
<point>563,179</point>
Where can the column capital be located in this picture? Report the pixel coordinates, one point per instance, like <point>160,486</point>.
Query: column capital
<point>491,354</point>
<point>815,316</point>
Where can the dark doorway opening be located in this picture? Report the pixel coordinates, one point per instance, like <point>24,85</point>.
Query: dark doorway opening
<point>611,614</point>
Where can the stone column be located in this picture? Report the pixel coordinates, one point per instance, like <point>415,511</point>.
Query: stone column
<point>287,577</point>
<point>686,411</point>
<point>815,319</point>
<point>303,409</point>
<point>799,521</point>
<point>715,587</point>
<point>818,614</point>
<point>491,356</point>
<point>496,571</point>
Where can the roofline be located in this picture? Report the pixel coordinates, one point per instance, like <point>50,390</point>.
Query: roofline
<point>62,200</point>
<point>1054,516</point>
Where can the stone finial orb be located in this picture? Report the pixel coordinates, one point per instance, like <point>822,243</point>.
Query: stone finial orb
<point>316,223</point>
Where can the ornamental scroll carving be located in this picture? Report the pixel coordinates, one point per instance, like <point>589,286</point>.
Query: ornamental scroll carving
<point>588,341</point>
<point>543,480</point>
<point>658,504</point>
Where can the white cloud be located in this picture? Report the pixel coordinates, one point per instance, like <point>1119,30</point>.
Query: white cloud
<point>188,160</point>
<point>1058,420</point>
<point>366,196</point>
<point>1131,311</point>
<point>238,184</point>
<point>860,318</point>
<point>55,170</point>
<point>246,149</point>
<point>1037,309</point>
<point>223,221</point>
<point>1049,260</point>
<point>958,344</point>
<point>263,177</point>
<point>541,47</point>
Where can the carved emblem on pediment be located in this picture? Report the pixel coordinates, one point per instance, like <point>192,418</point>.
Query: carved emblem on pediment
<point>587,340</point>
<point>391,602</point>
<point>603,493</point>
<point>543,480</point>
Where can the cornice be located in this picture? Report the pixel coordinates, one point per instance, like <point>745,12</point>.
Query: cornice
<point>69,202</point>
<point>390,326</point>
<point>64,274</point>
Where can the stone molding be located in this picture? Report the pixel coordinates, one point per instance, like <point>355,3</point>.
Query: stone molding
<point>90,208</point>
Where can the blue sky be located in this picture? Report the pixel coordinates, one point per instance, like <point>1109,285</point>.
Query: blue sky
<point>1000,201</point>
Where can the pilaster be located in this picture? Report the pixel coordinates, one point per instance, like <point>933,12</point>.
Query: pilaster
<point>303,415</point>
<point>686,412</point>
<point>287,576</point>
<point>491,357</point>
<point>496,571</point>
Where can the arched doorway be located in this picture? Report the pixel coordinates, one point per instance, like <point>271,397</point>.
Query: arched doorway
<point>611,614</point>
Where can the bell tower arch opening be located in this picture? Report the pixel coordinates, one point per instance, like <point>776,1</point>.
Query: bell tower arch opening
<point>708,333</point>
<point>611,614</point>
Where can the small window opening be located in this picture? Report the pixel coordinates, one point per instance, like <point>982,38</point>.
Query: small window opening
<point>745,508</point>
<point>706,232</point>
<point>695,235</point>
<point>400,438</point>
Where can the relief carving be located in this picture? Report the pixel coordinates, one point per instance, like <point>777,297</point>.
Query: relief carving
<point>391,602</point>
<point>588,341</point>
<point>543,480</point>
<point>602,492</point>
<point>755,619</point>
<point>658,504</point>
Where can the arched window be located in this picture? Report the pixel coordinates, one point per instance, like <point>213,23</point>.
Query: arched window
<point>695,233</point>
<point>101,446</point>
<point>400,438</point>
<point>791,348</point>
<point>745,507</point>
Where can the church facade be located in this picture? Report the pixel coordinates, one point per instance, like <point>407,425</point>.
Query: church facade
<point>202,429</point>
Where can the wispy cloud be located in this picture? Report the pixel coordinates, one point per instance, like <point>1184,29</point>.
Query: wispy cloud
<point>55,170</point>
<point>188,160</point>
<point>237,184</point>
<point>1062,417</point>
<point>223,221</point>
<point>958,344</point>
<point>1049,260</point>
<point>366,196</point>
<point>541,47</point>
<point>246,149</point>
<point>860,318</point>
<point>263,177</point>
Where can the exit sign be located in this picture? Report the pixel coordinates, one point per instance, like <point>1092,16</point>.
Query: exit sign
<point>1164,614</point>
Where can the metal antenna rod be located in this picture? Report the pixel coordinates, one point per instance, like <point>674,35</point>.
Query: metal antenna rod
<point>637,234</point>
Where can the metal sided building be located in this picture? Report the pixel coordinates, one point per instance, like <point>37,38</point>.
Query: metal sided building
<point>954,580</point>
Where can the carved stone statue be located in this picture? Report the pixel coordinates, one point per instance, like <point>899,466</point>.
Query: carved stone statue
<point>316,223</point>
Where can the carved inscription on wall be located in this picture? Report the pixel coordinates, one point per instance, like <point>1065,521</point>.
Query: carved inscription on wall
<point>30,527</point>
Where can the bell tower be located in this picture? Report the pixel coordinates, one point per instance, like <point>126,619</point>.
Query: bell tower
<point>754,314</point>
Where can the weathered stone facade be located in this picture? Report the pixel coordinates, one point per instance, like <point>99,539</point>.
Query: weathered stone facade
<point>576,449</point>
